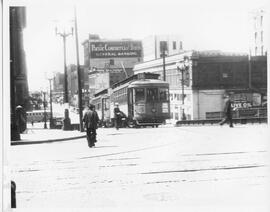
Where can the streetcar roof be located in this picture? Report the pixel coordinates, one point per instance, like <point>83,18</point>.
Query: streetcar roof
<point>149,82</point>
<point>36,111</point>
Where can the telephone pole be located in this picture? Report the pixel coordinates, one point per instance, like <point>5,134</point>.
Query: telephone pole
<point>66,121</point>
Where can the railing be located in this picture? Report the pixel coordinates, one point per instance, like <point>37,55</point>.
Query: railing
<point>240,113</point>
<point>242,116</point>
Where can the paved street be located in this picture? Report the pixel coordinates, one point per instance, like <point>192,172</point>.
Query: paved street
<point>167,168</point>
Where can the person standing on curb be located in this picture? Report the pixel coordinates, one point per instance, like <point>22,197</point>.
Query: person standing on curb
<point>227,112</point>
<point>117,116</point>
<point>90,120</point>
<point>96,121</point>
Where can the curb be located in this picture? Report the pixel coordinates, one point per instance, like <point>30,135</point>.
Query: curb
<point>46,141</point>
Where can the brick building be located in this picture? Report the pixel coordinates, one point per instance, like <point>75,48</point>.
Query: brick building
<point>210,75</point>
<point>114,59</point>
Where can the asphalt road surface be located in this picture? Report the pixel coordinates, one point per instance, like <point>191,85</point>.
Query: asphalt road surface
<point>204,168</point>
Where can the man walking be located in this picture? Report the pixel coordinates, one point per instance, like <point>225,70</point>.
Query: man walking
<point>117,116</point>
<point>227,112</point>
<point>91,120</point>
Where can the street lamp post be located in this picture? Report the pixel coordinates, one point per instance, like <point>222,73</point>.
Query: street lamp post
<point>66,121</point>
<point>183,67</point>
<point>45,113</point>
<point>51,110</point>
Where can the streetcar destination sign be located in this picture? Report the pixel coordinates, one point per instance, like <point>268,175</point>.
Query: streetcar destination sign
<point>115,49</point>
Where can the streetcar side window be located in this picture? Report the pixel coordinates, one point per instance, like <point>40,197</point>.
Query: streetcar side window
<point>164,94</point>
<point>139,94</point>
<point>152,94</point>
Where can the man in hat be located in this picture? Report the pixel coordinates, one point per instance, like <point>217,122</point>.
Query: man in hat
<point>91,120</point>
<point>117,116</point>
<point>227,111</point>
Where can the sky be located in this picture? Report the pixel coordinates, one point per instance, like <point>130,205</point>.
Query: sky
<point>202,24</point>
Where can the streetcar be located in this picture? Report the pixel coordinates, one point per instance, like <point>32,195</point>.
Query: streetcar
<point>101,101</point>
<point>37,115</point>
<point>143,100</point>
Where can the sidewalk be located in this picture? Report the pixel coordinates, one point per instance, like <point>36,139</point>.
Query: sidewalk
<point>37,134</point>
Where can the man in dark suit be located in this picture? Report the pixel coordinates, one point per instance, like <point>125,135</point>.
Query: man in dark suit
<point>117,116</point>
<point>91,120</point>
<point>227,111</point>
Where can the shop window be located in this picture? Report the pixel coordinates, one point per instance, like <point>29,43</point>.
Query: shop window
<point>174,45</point>
<point>176,116</point>
<point>255,36</point>
<point>111,62</point>
<point>181,45</point>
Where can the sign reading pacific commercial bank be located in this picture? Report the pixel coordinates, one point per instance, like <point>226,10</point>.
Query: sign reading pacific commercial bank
<point>108,49</point>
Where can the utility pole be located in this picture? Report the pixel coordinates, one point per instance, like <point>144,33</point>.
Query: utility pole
<point>163,49</point>
<point>249,70</point>
<point>45,113</point>
<point>183,67</point>
<point>51,110</point>
<point>79,73</point>
<point>66,121</point>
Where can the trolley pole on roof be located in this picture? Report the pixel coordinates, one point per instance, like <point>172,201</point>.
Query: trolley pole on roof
<point>79,73</point>
<point>163,49</point>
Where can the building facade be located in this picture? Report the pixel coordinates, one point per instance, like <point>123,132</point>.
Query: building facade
<point>198,93</point>
<point>19,93</point>
<point>114,59</point>
<point>258,32</point>
<point>152,46</point>
<point>58,87</point>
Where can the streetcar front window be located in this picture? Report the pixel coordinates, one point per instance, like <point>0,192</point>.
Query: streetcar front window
<point>164,94</point>
<point>139,94</point>
<point>107,104</point>
<point>152,94</point>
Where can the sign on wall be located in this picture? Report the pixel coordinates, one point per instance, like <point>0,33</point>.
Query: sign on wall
<point>115,49</point>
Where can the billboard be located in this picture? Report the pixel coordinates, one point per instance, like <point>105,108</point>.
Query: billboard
<point>114,49</point>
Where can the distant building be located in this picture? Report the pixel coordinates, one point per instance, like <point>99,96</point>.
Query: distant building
<point>114,57</point>
<point>58,83</point>
<point>258,32</point>
<point>152,46</point>
<point>210,75</point>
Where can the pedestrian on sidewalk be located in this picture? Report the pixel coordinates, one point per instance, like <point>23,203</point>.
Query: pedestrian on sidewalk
<point>90,120</point>
<point>96,120</point>
<point>227,112</point>
<point>117,116</point>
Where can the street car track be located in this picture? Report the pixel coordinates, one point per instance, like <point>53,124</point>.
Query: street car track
<point>206,169</point>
